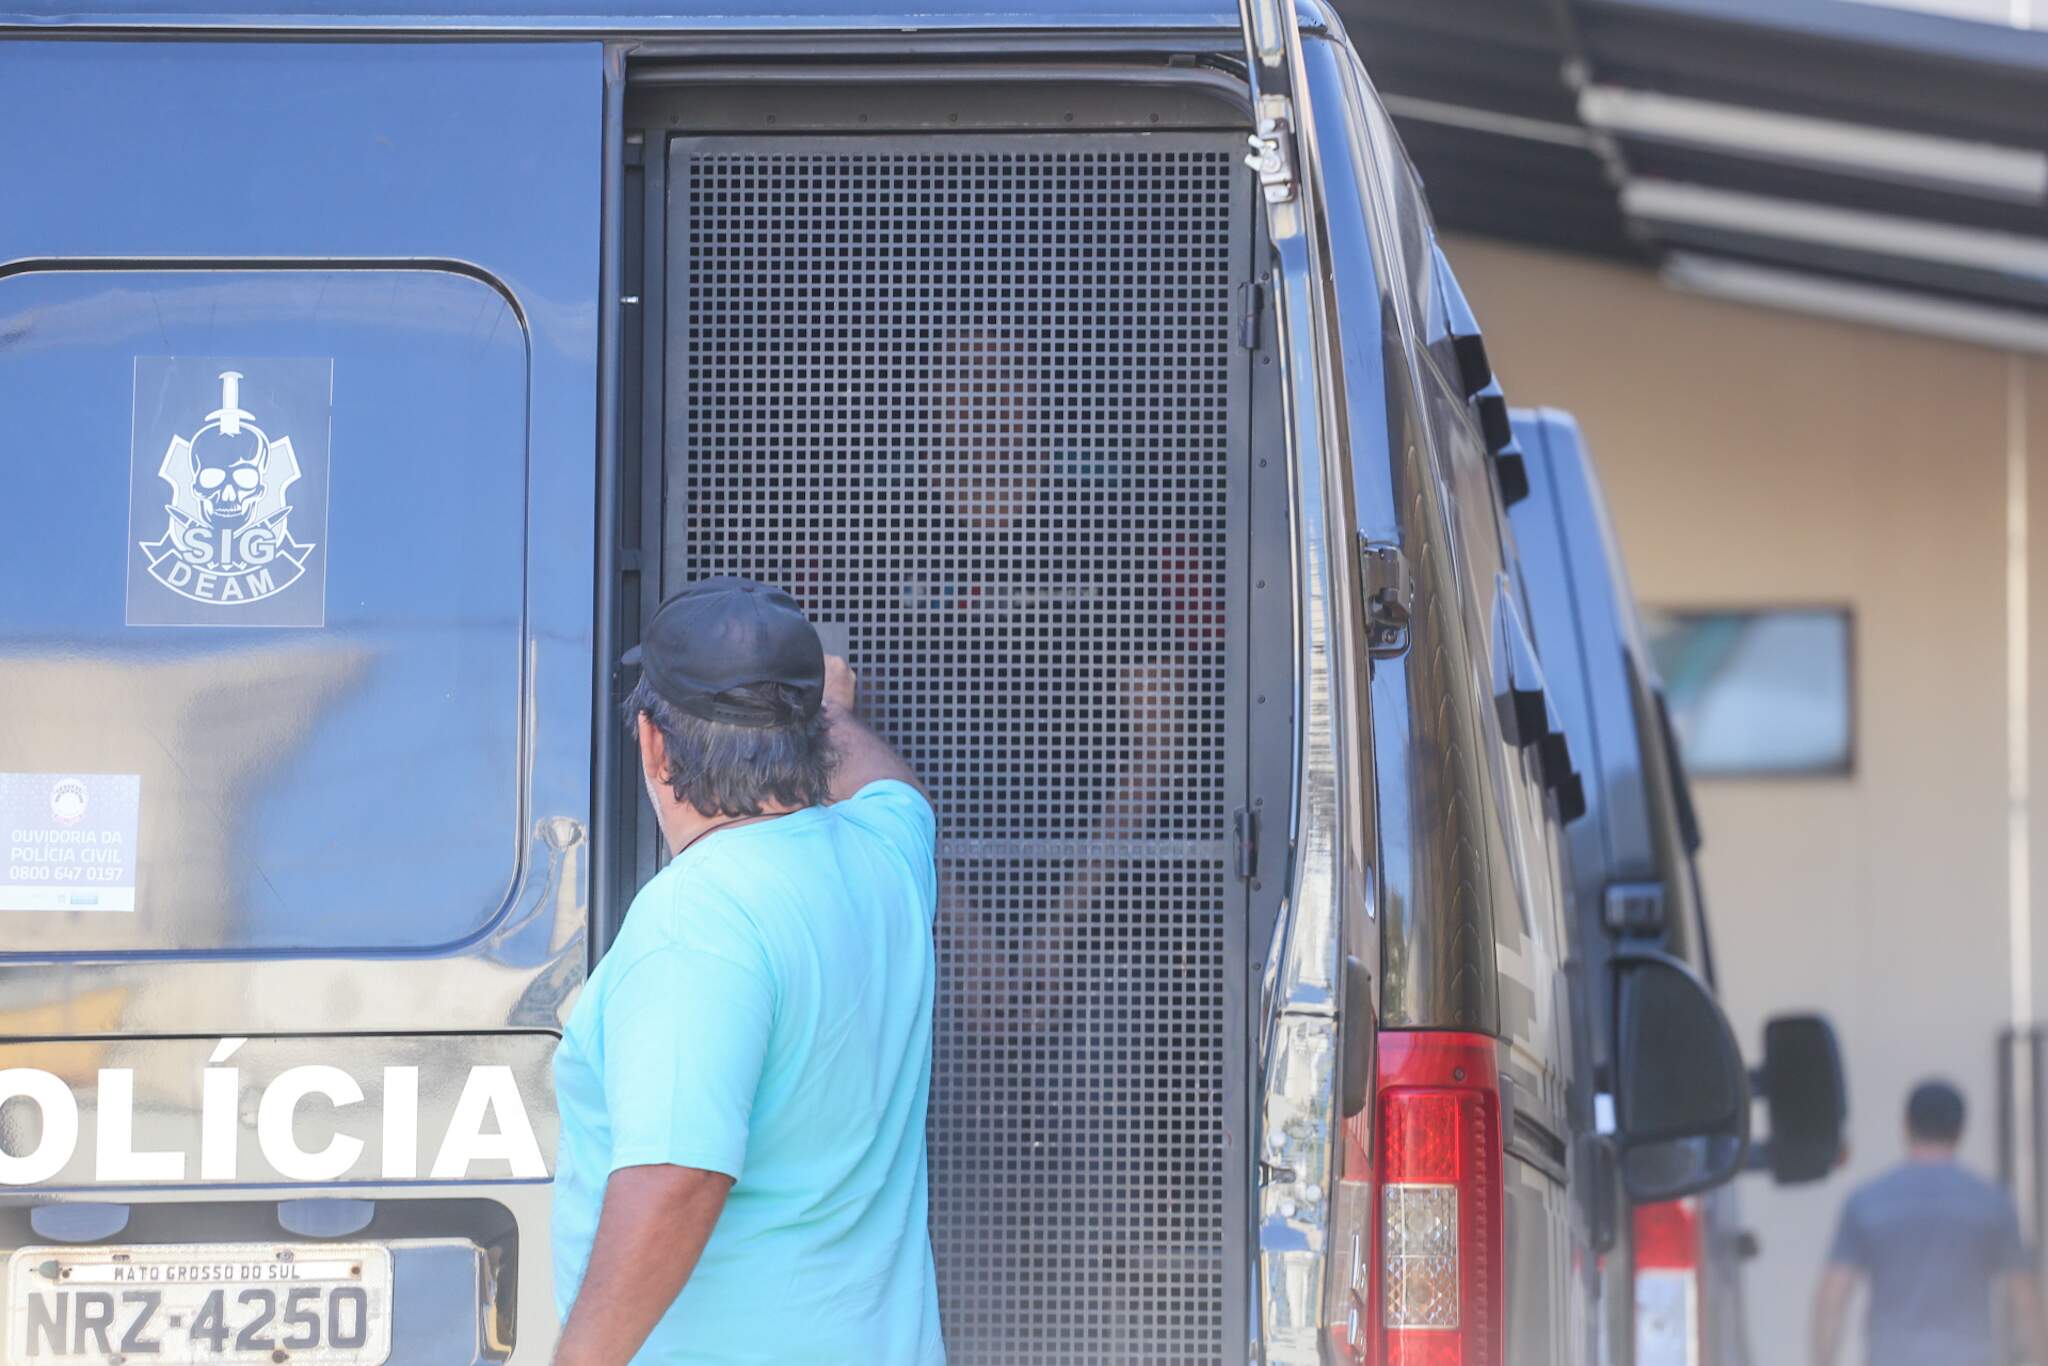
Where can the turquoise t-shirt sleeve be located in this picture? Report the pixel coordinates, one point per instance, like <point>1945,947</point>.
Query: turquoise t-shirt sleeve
<point>685,1034</point>
<point>900,814</point>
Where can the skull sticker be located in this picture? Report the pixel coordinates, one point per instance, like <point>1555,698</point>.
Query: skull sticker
<point>228,541</point>
<point>228,455</point>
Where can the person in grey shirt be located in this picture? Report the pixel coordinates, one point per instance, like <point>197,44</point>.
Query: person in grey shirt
<point>1937,1243</point>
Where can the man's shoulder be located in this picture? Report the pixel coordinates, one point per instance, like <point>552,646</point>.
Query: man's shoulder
<point>1886,1188</point>
<point>703,906</point>
<point>1980,1188</point>
<point>1916,1180</point>
<point>1899,1175</point>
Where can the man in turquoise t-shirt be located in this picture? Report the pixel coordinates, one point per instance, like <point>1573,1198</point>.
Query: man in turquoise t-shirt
<point>742,1086</point>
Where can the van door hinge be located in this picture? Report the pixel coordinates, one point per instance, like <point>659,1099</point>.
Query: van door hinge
<point>1244,825</point>
<point>1389,597</point>
<point>1251,302</point>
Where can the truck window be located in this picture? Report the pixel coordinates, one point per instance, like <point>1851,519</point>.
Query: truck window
<point>264,624</point>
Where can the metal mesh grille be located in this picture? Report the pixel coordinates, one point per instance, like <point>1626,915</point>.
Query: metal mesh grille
<point>975,400</point>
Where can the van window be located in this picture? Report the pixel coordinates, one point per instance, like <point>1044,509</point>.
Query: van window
<point>1523,859</point>
<point>1414,229</point>
<point>263,621</point>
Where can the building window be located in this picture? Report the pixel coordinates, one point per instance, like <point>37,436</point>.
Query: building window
<point>1762,693</point>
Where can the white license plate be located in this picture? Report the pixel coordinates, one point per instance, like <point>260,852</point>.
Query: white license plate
<point>220,1304</point>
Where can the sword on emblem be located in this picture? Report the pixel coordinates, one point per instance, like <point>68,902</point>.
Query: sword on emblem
<point>231,415</point>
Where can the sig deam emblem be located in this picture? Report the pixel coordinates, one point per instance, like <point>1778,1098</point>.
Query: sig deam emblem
<point>228,492</point>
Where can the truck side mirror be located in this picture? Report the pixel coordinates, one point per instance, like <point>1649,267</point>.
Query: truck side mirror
<point>1806,1096</point>
<point>1681,1093</point>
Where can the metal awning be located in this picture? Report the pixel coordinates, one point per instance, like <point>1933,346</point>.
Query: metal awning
<point>1844,157</point>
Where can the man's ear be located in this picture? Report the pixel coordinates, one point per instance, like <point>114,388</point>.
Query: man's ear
<point>653,750</point>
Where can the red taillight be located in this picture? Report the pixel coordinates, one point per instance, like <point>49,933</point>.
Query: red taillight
<point>1668,1236</point>
<point>1668,1319</point>
<point>1440,1193</point>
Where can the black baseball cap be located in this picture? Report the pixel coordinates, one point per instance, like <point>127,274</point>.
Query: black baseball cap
<point>725,633</point>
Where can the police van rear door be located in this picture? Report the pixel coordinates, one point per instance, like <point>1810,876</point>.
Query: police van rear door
<point>297,389</point>
<point>1319,1023</point>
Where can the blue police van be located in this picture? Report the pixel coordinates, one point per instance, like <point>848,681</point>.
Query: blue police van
<point>1091,371</point>
<point>1675,1267</point>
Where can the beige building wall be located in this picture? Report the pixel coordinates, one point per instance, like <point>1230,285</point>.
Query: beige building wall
<point>1760,457</point>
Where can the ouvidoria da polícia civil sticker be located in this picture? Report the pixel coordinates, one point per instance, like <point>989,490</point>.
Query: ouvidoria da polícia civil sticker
<point>70,841</point>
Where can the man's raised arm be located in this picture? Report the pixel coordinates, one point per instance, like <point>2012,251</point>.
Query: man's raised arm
<point>863,756</point>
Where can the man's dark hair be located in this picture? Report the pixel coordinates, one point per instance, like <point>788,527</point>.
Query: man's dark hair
<point>727,770</point>
<point>1934,1112</point>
